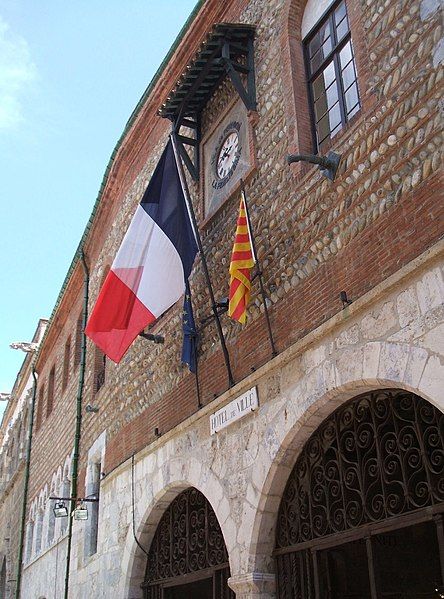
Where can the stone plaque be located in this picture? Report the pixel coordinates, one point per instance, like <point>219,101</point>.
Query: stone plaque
<point>236,409</point>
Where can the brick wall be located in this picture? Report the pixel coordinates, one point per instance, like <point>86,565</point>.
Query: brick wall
<point>314,238</point>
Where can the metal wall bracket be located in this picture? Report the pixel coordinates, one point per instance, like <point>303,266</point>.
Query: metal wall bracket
<point>151,337</point>
<point>328,165</point>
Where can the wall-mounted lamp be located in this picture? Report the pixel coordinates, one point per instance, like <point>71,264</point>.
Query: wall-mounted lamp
<point>81,511</point>
<point>60,510</point>
<point>328,165</point>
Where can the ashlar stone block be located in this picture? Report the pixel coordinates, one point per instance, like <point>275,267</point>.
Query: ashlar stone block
<point>432,382</point>
<point>430,290</point>
<point>379,322</point>
<point>393,361</point>
<point>408,308</point>
<point>434,340</point>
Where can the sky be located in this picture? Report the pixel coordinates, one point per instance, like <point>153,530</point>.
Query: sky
<point>71,74</point>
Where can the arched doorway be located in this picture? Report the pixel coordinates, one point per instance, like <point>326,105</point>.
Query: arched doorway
<point>362,512</point>
<point>3,579</point>
<point>188,558</point>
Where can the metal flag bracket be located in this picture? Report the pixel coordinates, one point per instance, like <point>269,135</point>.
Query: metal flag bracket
<point>153,338</point>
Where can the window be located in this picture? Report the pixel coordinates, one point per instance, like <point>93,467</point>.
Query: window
<point>39,408</point>
<point>38,532</point>
<point>92,527</point>
<point>66,363</point>
<point>50,398</point>
<point>331,71</point>
<point>29,538</point>
<point>51,525</point>
<point>100,370</point>
<point>65,491</point>
<point>79,339</point>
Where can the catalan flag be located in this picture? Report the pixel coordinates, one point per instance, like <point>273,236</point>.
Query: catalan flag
<point>242,261</point>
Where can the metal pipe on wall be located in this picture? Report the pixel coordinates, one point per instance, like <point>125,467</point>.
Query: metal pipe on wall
<point>78,430</point>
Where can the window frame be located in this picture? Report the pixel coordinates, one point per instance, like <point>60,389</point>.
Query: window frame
<point>78,340</point>
<point>100,362</point>
<point>40,407</point>
<point>66,363</point>
<point>334,57</point>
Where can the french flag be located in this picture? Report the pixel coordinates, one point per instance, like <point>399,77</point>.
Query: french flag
<point>150,269</point>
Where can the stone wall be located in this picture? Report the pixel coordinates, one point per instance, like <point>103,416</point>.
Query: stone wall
<point>391,337</point>
<point>10,512</point>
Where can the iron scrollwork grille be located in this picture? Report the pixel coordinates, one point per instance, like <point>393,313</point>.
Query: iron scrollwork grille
<point>188,540</point>
<point>377,459</point>
<point>378,456</point>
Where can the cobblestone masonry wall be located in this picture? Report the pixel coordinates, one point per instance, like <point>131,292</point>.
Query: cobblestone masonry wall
<point>315,238</point>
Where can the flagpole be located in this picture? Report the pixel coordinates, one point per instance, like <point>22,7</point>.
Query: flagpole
<point>189,314</point>
<point>190,209</point>
<point>196,375</point>
<point>258,272</point>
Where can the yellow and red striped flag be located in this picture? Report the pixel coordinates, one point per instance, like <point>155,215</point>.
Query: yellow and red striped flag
<point>242,261</point>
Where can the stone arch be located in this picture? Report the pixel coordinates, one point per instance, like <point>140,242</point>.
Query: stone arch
<point>377,461</point>
<point>310,404</point>
<point>167,483</point>
<point>313,11</point>
<point>3,577</point>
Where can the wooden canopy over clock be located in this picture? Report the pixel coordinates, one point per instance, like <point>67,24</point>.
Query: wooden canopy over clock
<point>227,51</point>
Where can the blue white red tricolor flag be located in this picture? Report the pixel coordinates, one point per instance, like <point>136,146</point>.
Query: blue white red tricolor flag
<point>150,269</point>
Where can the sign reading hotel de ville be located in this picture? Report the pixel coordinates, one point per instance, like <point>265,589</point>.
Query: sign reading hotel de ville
<point>236,409</point>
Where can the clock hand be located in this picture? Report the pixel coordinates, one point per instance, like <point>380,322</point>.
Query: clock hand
<point>222,158</point>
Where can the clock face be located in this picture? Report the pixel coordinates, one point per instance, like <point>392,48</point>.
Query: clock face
<point>226,157</point>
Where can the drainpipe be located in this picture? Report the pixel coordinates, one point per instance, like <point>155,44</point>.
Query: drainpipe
<point>25,488</point>
<point>75,459</point>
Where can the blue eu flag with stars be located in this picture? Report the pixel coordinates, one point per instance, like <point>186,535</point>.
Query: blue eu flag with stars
<point>189,347</point>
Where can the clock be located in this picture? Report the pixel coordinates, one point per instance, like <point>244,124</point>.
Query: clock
<point>226,157</point>
<point>227,154</point>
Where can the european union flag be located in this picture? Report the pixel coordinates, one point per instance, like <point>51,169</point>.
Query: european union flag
<point>189,347</point>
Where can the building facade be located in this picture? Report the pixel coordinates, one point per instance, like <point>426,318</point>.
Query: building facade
<point>338,470</point>
<point>14,440</point>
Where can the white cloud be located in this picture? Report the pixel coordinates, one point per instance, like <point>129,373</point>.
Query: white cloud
<point>17,72</point>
